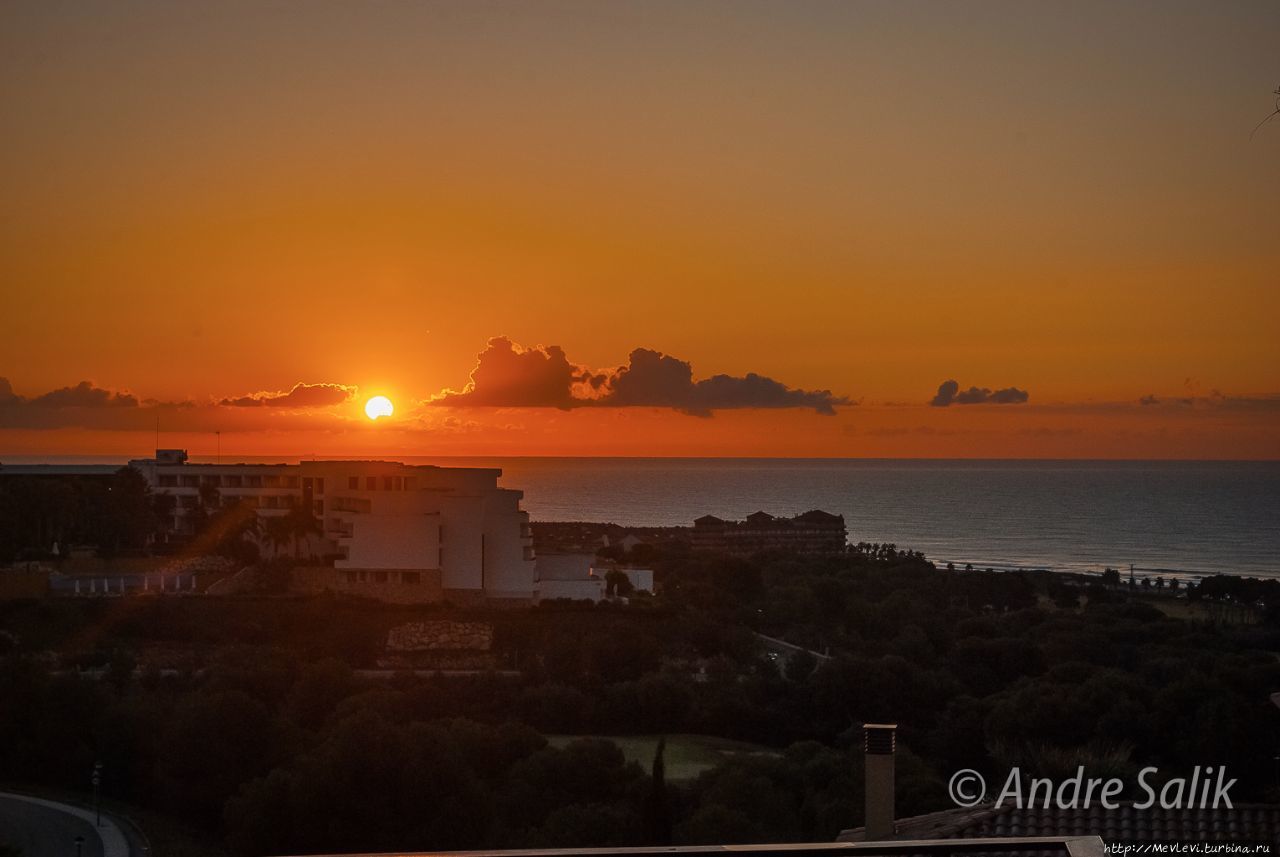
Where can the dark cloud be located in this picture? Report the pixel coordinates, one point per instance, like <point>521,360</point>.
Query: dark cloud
<point>949,393</point>
<point>652,378</point>
<point>507,375</point>
<point>301,396</point>
<point>946,394</point>
<point>83,395</point>
<point>86,405</point>
<point>82,405</point>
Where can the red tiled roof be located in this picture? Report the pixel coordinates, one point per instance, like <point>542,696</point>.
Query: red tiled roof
<point>1244,822</point>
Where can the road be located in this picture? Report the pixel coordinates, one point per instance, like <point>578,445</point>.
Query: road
<point>42,828</point>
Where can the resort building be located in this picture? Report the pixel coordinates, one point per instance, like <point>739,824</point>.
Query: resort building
<point>393,531</point>
<point>816,533</point>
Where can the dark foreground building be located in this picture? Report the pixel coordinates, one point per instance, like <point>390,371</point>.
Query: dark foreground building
<point>815,533</point>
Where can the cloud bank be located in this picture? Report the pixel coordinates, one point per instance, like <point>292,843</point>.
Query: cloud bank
<point>508,375</point>
<point>301,396</point>
<point>86,405</point>
<point>949,393</point>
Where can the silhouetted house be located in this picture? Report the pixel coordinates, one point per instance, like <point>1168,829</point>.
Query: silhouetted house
<point>568,576</point>
<point>627,541</point>
<point>815,533</point>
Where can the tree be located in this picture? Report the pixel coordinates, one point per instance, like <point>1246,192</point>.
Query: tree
<point>122,515</point>
<point>196,768</point>
<point>235,531</point>
<point>302,523</point>
<point>656,811</point>
<point>162,506</point>
<point>278,532</point>
<point>617,583</point>
<point>370,786</point>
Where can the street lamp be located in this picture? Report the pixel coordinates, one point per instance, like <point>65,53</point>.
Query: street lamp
<point>97,781</point>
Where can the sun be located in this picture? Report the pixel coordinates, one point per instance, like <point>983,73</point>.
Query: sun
<point>378,406</point>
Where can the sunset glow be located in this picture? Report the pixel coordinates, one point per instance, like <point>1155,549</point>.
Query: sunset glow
<point>810,236</point>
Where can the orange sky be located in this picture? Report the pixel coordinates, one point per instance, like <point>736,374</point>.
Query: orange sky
<point>208,201</point>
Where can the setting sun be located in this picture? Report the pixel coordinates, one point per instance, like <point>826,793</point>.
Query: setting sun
<point>378,406</point>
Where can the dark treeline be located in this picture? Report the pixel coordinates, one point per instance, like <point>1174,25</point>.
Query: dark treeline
<point>275,744</point>
<point>118,513</point>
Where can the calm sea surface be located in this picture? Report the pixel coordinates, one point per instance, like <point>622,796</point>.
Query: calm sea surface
<point>1186,517</point>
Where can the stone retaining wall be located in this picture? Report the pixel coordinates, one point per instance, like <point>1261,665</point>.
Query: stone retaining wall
<point>440,635</point>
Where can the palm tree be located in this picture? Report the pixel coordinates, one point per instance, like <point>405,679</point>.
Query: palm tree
<point>237,529</point>
<point>278,532</point>
<point>302,523</point>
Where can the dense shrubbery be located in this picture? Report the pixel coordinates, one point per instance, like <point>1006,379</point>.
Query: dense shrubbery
<point>279,745</point>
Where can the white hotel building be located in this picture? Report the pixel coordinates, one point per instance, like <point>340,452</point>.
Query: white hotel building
<point>399,532</point>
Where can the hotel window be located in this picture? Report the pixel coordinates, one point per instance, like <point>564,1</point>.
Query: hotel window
<point>190,481</point>
<point>386,483</point>
<point>307,483</point>
<point>399,483</point>
<point>410,482</point>
<point>411,577</point>
<point>353,482</point>
<point>168,481</point>
<point>362,575</point>
<point>348,577</point>
<point>253,481</point>
<point>320,485</point>
<point>379,577</point>
<point>234,481</point>
<point>371,483</point>
<point>318,507</point>
<point>271,481</point>
<point>291,482</point>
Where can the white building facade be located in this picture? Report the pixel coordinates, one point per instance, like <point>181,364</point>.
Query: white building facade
<point>398,532</point>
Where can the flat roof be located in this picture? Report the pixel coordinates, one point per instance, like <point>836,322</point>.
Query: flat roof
<point>59,469</point>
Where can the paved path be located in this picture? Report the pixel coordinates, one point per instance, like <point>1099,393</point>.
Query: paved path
<point>46,828</point>
<point>781,648</point>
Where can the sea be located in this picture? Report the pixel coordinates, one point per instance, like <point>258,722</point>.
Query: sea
<point>1176,519</point>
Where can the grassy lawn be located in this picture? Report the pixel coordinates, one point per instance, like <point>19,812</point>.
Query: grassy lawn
<point>686,756</point>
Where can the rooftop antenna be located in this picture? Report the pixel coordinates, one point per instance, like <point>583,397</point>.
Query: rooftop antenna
<point>1269,116</point>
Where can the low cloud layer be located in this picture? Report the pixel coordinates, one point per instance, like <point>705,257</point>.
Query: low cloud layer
<point>301,396</point>
<point>507,375</point>
<point>949,393</point>
<point>86,405</point>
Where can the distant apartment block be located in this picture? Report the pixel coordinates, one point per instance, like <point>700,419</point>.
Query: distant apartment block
<point>814,533</point>
<point>399,532</point>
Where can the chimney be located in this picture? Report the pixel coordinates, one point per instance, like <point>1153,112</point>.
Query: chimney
<point>879,744</point>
